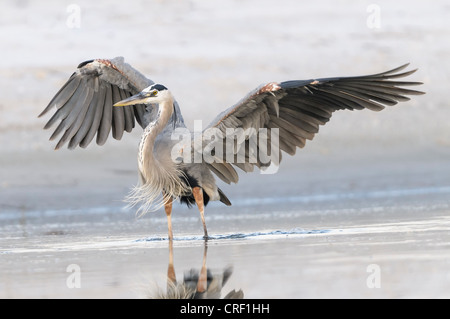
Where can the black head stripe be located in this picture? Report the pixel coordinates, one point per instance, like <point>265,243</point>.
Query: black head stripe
<point>159,87</point>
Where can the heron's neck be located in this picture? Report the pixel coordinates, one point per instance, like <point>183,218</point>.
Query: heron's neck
<point>152,131</point>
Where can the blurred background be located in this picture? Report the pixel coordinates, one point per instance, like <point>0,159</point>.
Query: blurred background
<point>210,54</point>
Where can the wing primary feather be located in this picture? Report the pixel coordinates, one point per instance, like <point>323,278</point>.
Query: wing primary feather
<point>286,146</point>
<point>397,69</point>
<point>307,110</point>
<point>339,101</point>
<point>76,117</point>
<point>383,92</point>
<point>302,123</point>
<point>312,104</point>
<point>246,167</point>
<point>76,126</point>
<point>68,106</point>
<point>381,97</point>
<point>231,172</point>
<point>297,140</point>
<point>128,112</point>
<point>218,173</point>
<point>87,122</point>
<point>106,119</point>
<point>278,122</point>
<point>118,123</point>
<point>303,115</point>
<point>65,112</point>
<point>397,83</point>
<point>95,113</point>
<point>139,111</point>
<point>358,101</point>
<point>80,103</point>
<point>64,94</point>
<point>61,114</point>
<point>379,86</point>
<point>381,76</point>
<point>223,171</point>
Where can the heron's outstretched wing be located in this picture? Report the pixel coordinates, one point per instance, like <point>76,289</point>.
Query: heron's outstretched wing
<point>84,105</point>
<point>298,108</point>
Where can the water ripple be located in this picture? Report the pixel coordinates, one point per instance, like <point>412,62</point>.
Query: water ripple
<point>251,235</point>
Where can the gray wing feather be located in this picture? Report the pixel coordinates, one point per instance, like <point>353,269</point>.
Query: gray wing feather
<point>139,111</point>
<point>106,120</point>
<point>70,111</point>
<point>298,108</point>
<point>218,173</point>
<point>64,94</point>
<point>64,110</point>
<point>227,173</point>
<point>95,113</point>
<point>76,121</point>
<point>84,104</point>
<point>118,123</point>
<point>85,122</point>
<point>128,112</point>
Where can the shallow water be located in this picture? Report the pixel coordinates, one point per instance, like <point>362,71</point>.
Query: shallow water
<point>299,241</point>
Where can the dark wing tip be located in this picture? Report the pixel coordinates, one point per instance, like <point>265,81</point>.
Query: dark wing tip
<point>42,113</point>
<point>397,69</point>
<point>58,146</point>
<point>84,63</point>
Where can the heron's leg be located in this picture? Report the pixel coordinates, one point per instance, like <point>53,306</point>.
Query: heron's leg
<point>198,196</point>
<point>168,209</point>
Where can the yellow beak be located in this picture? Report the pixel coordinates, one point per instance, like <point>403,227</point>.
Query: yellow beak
<point>132,100</point>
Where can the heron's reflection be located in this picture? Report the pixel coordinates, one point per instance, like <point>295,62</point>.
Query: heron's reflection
<point>197,284</point>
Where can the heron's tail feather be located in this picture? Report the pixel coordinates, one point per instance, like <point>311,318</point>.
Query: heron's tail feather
<point>146,198</point>
<point>223,198</point>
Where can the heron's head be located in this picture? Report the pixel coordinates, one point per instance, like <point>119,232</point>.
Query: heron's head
<point>154,94</point>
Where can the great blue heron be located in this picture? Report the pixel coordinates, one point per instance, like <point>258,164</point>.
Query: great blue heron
<point>295,109</point>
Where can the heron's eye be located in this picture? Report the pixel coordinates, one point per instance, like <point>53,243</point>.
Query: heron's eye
<point>151,93</point>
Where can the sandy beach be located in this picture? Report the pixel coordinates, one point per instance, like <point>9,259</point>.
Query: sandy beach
<point>361,212</point>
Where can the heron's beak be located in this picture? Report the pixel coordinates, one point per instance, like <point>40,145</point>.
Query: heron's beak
<point>132,100</point>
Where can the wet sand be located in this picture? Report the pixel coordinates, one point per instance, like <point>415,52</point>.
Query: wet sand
<point>361,212</point>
